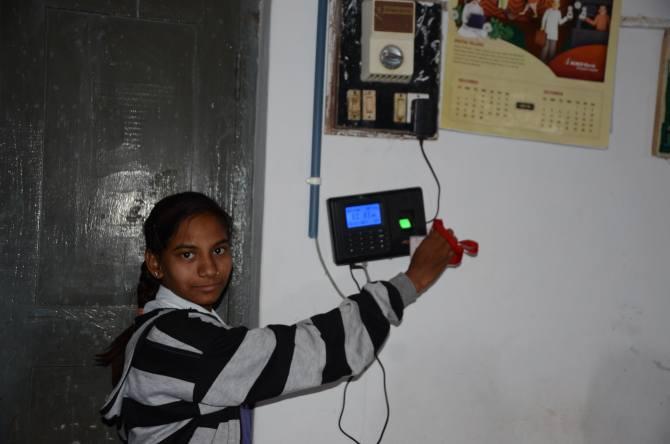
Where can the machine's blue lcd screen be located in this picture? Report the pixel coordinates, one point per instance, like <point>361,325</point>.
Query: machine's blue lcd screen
<point>363,215</point>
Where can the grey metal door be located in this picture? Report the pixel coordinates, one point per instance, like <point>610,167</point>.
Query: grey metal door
<point>106,106</point>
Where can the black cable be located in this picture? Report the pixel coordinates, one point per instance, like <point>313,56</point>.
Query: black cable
<point>346,385</point>
<point>386,399</point>
<point>439,187</point>
<point>344,402</point>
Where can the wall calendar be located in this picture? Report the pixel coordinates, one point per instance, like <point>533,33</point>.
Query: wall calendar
<point>538,70</point>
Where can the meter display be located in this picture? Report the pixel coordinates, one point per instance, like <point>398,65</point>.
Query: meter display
<point>363,215</point>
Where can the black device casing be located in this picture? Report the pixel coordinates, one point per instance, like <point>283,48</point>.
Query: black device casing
<point>386,240</point>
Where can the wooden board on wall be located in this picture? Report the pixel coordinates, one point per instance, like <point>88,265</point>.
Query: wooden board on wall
<point>661,146</point>
<point>375,108</point>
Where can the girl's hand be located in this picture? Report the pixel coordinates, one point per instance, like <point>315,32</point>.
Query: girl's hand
<point>430,259</point>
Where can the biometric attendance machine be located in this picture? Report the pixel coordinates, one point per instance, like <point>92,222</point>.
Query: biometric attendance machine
<point>375,226</point>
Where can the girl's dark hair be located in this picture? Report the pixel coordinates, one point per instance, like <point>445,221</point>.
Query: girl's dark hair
<point>163,222</point>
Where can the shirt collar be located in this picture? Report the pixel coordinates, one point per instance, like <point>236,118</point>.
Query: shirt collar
<point>166,298</point>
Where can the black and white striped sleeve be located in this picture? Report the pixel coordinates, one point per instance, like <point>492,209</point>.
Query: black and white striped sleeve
<point>238,366</point>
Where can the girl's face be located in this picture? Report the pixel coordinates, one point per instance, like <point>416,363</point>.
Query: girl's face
<point>196,263</point>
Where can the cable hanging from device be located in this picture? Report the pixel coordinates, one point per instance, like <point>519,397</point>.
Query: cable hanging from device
<point>437,181</point>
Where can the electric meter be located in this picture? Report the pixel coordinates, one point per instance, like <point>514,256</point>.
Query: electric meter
<point>387,41</point>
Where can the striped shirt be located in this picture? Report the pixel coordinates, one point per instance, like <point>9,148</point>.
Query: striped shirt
<point>187,374</point>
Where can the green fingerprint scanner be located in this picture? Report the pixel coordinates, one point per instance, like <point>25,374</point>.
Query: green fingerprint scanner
<point>405,223</point>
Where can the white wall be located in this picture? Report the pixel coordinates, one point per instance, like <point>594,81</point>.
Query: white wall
<point>557,333</point>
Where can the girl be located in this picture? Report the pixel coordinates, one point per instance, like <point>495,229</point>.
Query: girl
<point>184,375</point>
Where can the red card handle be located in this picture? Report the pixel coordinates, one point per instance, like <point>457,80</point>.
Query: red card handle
<point>468,247</point>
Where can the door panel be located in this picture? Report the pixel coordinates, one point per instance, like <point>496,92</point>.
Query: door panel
<point>119,133</point>
<point>105,107</point>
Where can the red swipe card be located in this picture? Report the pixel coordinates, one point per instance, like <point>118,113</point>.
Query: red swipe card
<point>468,247</point>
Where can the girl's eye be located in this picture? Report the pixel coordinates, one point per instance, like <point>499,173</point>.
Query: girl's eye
<point>187,255</point>
<point>219,251</point>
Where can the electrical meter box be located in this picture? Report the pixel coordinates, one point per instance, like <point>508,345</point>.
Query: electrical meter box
<point>387,41</point>
<point>375,226</point>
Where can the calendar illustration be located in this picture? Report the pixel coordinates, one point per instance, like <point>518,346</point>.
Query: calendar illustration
<point>541,73</point>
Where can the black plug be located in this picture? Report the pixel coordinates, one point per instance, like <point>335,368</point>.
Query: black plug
<point>424,118</point>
